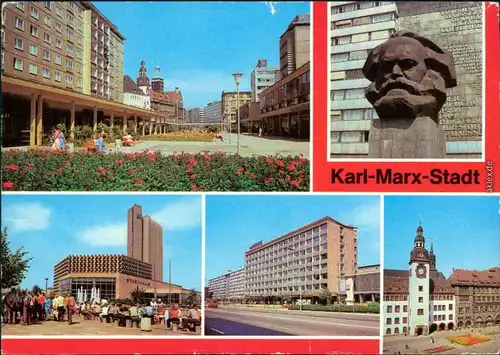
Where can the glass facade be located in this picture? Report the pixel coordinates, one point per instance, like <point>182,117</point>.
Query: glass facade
<point>106,286</point>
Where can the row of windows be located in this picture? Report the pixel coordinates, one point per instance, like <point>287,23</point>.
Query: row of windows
<point>349,56</point>
<point>437,317</point>
<point>437,308</point>
<point>353,74</point>
<point>362,37</point>
<point>349,137</point>
<point>18,64</point>
<point>21,5</point>
<point>360,21</point>
<point>360,5</point>
<point>353,115</point>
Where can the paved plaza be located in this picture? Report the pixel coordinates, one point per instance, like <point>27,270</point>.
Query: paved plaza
<point>419,345</point>
<point>87,328</point>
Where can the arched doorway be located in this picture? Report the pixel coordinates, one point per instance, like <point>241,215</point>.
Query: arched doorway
<point>497,320</point>
<point>442,326</point>
<point>460,325</point>
<point>468,324</point>
<point>450,326</point>
<point>396,330</point>
<point>388,331</point>
<point>479,322</point>
<point>405,330</point>
<point>433,328</point>
<point>419,331</point>
<point>489,321</point>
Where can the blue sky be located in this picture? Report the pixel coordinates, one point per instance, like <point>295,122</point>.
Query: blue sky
<point>465,230</point>
<point>198,45</point>
<point>96,224</point>
<point>233,223</point>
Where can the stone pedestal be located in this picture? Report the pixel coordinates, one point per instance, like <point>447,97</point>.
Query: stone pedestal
<point>405,138</point>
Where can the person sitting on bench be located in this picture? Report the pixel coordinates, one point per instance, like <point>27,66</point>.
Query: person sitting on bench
<point>192,320</point>
<point>174,315</point>
<point>134,314</point>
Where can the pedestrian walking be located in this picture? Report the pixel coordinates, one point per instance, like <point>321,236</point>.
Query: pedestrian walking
<point>69,303</point>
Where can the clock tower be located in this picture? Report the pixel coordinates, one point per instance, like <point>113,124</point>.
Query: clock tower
<point>419,286</point>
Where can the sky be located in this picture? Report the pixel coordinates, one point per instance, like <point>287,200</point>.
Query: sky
<point>199,45</point>
<point>233,223</point>
<point>465,230</point>
<point>97,224</point>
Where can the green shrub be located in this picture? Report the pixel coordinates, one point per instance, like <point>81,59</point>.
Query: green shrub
<point>337,308</point>
<point>49,170</point>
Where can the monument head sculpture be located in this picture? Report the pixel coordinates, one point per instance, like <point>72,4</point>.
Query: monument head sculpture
<point>409,76</point>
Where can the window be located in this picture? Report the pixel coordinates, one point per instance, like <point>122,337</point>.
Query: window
<point>341,40</point>
<point>383,17</point>
<point>340,57</point>
<point>79,68</point>
<point>450,317</point>
<point>33,50</point>
<point>34,12</point>
<point>79,83</point>
<point>388,331</point>
<point>397,309</point>
<point>355,94</point>
<point>420,300</point>
<point>58,27</point>
<point>435,318</point>
<point>48,4</point>
<point>19,24</point>
<point>420,288</point>
<point>358,55</point>
<point>58,43</point>
<point>70,19</point>
<point>69,79</point>
<point>435,308</point>
<point>47,20</point>
<point>388,321</point>
<point>20,5</point>
<point>396,320</point>
<point>46,54</point>
<point>18,64</point>
<point>405,320</point>
<point>69,48</point>
<point>420,311</point>
<point>69,64</point>
<point>354,74</point>
<point>58,11</point>
<point>57,76</point>
<point>80,26</point>
<point>34,31</point>
<point>18,44</point>
<point>450,307</point>
<point>33,69</point>
<point>70,34</point>
<point>57,60</point>
<point>47,37</point>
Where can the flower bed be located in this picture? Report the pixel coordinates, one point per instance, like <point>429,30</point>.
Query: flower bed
<point>337,308</point>
<point>48,170</point>
<point>437,349</point>
<point>469,339</point>
<point>179,136</point>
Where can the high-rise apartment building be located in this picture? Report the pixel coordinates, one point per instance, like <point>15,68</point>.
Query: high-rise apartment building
<point>212,112</point>
<point>303,261</point>
<point>262,77</point>
<point>43,42</point>
<point>195,115</point>
<point>103,47</point>
<point>359,26</point>
<point>294,45</point>
<point>228,287</point>
<point>145,240</point>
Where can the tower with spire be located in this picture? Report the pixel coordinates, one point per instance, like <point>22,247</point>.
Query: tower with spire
<point>419,286</point>
<point>142,79</point>
<point>157,83</point>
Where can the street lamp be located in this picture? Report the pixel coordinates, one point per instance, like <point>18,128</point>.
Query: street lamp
<point>237,78</point>
<point>300,286</point>
<point>46,285</point>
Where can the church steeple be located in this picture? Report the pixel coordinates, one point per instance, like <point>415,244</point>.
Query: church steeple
<point>419,253</point>
<point>157,82</point>
<point>143,79</point>
<point>432,258</point>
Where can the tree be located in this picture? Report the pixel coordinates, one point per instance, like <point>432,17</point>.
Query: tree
<point>325,295</point>
<point>36,290</point>
<point>191,298</point>
<point>137,294</point>
<point>13,265</point>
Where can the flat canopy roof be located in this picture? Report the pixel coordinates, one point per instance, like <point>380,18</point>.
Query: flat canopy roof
<point>19,86</point>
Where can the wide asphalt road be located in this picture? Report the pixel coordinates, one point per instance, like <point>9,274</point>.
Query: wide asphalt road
<point>261,323</point>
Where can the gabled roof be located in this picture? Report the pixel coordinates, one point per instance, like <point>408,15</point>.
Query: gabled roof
<point>129,86</point>
<point>476,277</point>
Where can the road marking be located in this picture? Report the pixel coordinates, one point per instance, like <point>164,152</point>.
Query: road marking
<point>310,321</point>
<point>217,331</point>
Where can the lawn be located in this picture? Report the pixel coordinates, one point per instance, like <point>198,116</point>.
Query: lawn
<point>48,170</point>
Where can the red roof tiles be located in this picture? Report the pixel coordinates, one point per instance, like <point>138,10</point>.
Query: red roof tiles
<point>476,277</point>
<point>129,86</point>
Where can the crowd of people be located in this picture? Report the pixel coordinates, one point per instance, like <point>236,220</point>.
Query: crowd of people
<point>28,307</point>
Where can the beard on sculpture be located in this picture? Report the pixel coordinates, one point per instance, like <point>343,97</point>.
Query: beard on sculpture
<point>403,98</point>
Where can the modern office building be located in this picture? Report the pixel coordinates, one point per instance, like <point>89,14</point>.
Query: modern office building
<point>303,262</point>
<point>228,287</point>
<point>61,64</point>
<point>285,106</point>
<point>421,300</point>
<point>103,55</point>
<point>195,115</point>
<point>212,112</point>
<point>359,26</point>
<point>145,240</point>
<point>229,104</point>
<point>262,77</point>
<point>294,45</point>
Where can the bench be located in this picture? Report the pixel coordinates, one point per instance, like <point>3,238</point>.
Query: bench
<point>191,324</point>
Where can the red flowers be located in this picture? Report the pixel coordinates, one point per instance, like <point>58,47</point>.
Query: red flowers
<point>12,167</point>
<point>268,180</point>
<point>101,171</point>
<point>8,185</point>
<point>59,171</point>
<point>118,162</point>
<point>207,157</point>
<point>240,170</point>
<point>138,182</point>
<point>192,161</point>
<point>291,167</point>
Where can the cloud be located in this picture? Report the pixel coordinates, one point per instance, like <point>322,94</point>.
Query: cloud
<point>365,216</point>
<point>182,214</point>
<point>23,217</point>
<point>105,235</point>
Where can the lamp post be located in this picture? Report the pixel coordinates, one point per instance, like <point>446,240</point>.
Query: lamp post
<point>46,285</point>
<point>300,286</point>
<point>237,78</point>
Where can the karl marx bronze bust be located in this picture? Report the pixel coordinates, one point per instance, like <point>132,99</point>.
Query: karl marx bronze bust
<point>409,76</point>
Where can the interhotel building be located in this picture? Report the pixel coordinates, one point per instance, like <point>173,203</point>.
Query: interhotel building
<point>304,261</point>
